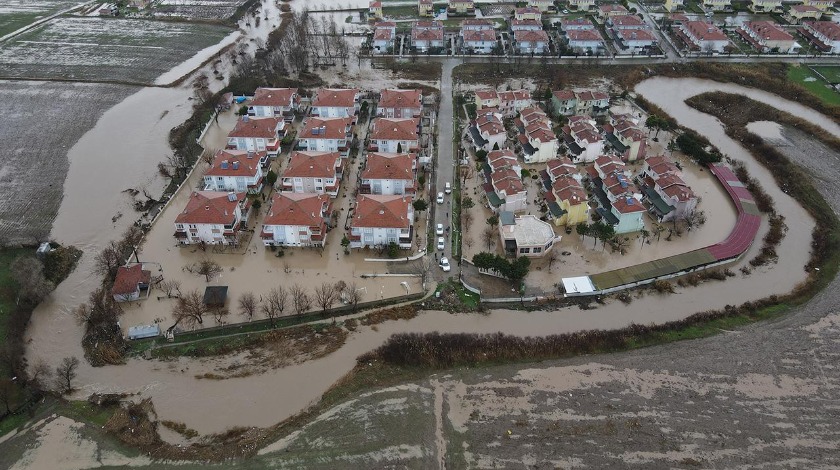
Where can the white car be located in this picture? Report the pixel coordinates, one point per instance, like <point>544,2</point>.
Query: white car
<point>439,229</point>
<point>444,264</point>
<point>441,243</point>
<point>447,188</point>
<point>440,198</point>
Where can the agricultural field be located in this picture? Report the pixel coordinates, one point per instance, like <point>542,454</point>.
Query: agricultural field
<point>198,9</point>
<point>105,49</point>
<point>15,14</point>
<point>808,79</point>
<point>41,122</point>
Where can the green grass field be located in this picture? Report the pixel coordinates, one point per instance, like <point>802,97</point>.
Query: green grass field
<point>830,72</point>
<point>7,284</point>
<point>805,77</point>
<point>18,13</point>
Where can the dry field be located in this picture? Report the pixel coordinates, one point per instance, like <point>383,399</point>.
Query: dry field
<point>15,14</point>
<point>197,9</point>
<point>41,122</point>
<point>104,49</point>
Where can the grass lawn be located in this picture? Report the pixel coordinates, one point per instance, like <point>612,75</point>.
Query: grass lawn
<point>16,15</point>
<point>7,284</point>
<point>830,72</point>
<point>803,76</point>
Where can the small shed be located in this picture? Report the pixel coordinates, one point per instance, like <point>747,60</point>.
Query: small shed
<point>580,285</point>
<point>143,331</point>
<point>215,296</point>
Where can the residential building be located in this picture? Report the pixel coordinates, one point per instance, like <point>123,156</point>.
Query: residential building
<point>584,41</point>
<point>476,24</point>
<point>569,102</point>
<point>627,138</point>
<point>503,182</point>
<point>582,5</point>
<point>313,172</point>
<point>514,101</point>
<point>531,42</point>
<point>536,136</point>
<point>235,170</point>
<point>488,132</point>
<point>822,5</point>
<point>635,41</point>
<point>667,195</point>
<point>608,10</point>
<point>384,37</point>
<point>527,13</point>
<point>767,36</point>
<point>394,135</point>
<point>525,25</point>
<point>131,282</point>
<point>627,215</point>
<point>674,5</point>
<point>375,9</point>
<point>486,99</point>
<point>326,135</point>
<point>480,41</point>
<point>427,35</point>
<point>824,35</point>
<point>582,139</point>
<point>257,135</point>
<point>274,102</point>
<point>425,8</point>
<point>567,201</point>
<point>541,5</point>
<point>765,6</point>
<point>702,36</point>
<point>379,220</point>
<point>717,5</point>
<point>618,198</point>
<point>625,22</point>
<point>461,7</point>
<point>388,174</point>
<point>564,102</point>
<point>400,104</point>
<point>525,235</point>
<point>297,219</point>
<point>580,23</point>
<point>212,217</point>
<point>800,13</point>
<point>335,103</point>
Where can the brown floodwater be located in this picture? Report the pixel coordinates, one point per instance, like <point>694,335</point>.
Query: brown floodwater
<point>130,139</point>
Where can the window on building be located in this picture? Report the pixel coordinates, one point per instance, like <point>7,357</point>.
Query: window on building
<point>523,251</point>
<point>537,249</point>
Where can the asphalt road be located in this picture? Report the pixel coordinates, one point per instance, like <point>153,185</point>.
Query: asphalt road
<point>445,162</point>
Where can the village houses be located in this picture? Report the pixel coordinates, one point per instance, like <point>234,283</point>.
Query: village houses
<point>507,103</point>
<point>668,196</point>
<point>297,219</point>
<point>525,25</point>
<point>131,281</point>
<point>800,13</point>
<point>582,139</point>
<point>824,35</point>
<point>388,174</point>
<point>384,35</point>
<point>565,197</point>
<point>257,135</point>
<point>717,5</point>
<point>275,102</point>
<point>531,42</point>
<point>525,235</point>
<point>569,102</point>
<point>536,136</point>
<point>425,8</point>
<point>674,5</point>
<point>394,135</point>
<point>326,135</point>
<point>624,134</point>
<point>527,13</point>
<point>703,36</point>
<point>767,36</point>
<point>400,104</point>
<point>461,7</point>
<point>765,6</point>
<point>488,132</point>
<point>314,172</point>
<point>335,103</point>
<point>235,170</point>
<point>608,10</point>
<point>618,198</point>
<point>503,182</point>
<point>426,35</point>
<point>379,220</point>
<point>375,9</point>
<point>212,217</point>
<point>582,5</point>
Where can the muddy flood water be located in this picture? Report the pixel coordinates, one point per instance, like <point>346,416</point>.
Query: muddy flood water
<point>121,152</point>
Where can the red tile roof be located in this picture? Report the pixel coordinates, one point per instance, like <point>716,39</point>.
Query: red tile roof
<point>383,34</point>
<point>610,7</point>
<point>560,166</point>
<point>526,22</point>
<point>394,129</point>
<point>628,205</point>
<point>566,188</point>
<point>514,95</point>
<point>239,163</point>
<point>674,186</point>
<point>274,96</point>
<point>128,277</point>
<point>301,209</point>
<point>804,8</point>
<point>626,20</point>
<point>528,35</point>
<point>250,127</point>
<point>660,164</point>
<point>385,166</point>
<point>564,95</point>
<point>768,30</point>
<point>400,99</point>
<point>507,180</point>
<point>479,35</point>
<point>592,95</point>
<point>636,35</point>
<point>527,10</point>
<point>427,24</point>
<point>313,165</point>
<point>335,97</point>
<point>374,210</point>
<point>427,34</point>
<point>829,29</point>
<point>581,21</point>
<point>704,31</point>
<point>488,122</point>
<point>326,128</point>
<point>209,207</point>
<point>583,35</point>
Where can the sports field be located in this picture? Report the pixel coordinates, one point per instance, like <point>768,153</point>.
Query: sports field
<point>808,79</point>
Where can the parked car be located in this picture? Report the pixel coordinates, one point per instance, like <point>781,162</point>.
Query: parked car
<point>439,229</point>
<point>448,188</point>
<point>440,244</point>
<point>440,198</point>
<point>444,264</point>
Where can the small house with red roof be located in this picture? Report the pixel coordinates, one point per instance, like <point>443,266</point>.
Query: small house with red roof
<point>768,36</point>
<point>379,220</point>
<point>326,135</point>
<point>313,172</point>
<point>236,170</point>
<point>335,103</point>
<point>619,200</point>
<point>478,41</point>
<point>503,182</point>
<point>426,35</point>
<point>212,217</point>
<point>394,103</point>
<point>131,282</point>
<point>824,35</point>
<point>609,10</point>
<point>425,8</point>
<point>582,138</point>
<point>488,132</point>
<point>530,42</point>
<point>461,7</point>
<point>388,174</point>
<point>536,136</point>
<point>297,219</point>
<point>702,36</point>
<point>800,13</point>
<point>525,25</point>
<point>581,5</point>
<point>257,135</point>
<point>527,13</point>
<point>375,9</point>
<point>570,102</point>
<point>275,102</point>
<point>398,135</point>
<point>667,195</point>
<point>384,35</point>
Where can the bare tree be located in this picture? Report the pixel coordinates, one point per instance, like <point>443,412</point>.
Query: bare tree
<point>33,286</point>
<point>65,374</point>
<point>300,298</point>
<point>551,257</point>
<point>325,296</point>
<point>207,268</point>
<point>422,268</point>
<point>189,310</point>
<point>219,314</point>
<point>108,260</point>
<point>208,155</point>
<point>468,241</point>
<point>170,288</point>
<point>353,295</point>
<point>40,376</point>
<point>248,305</point>
<point>488,236</point>
<point>467,172</point>
<point>275,303</point>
